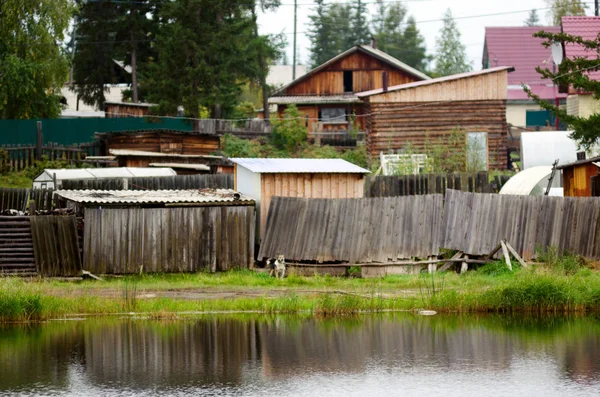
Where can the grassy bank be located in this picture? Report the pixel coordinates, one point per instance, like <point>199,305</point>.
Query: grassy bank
<point>558,285</point>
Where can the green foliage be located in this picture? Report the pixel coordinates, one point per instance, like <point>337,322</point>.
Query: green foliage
<point>562,8</point>
<point>208,51</point>
<point>565,264</point>
<point>4,162</point>
<point>532,19</point>
<point>17,304</point>
<point>358,156</point>
<point>290,131</point>
<point>450,53</point>
<point>329,31</point>
<point>447,153</point>
<point>232,146</point>
<point>243,111</point>
<point>39,166</point>
<point>397,37</point>
<point>32,64</point>
<point>495,269</point>
<point>573,73</point>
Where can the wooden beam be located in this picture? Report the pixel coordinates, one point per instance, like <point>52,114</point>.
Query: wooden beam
<point>506,256</point>
<point>515,255</point>
<point>449,263</point>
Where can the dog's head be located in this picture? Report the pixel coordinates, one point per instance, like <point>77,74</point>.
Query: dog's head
<point>281,258</point>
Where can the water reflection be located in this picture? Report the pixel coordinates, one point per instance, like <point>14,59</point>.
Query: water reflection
<point>285,355</point>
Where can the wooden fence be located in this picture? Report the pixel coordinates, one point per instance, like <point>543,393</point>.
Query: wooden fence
<point>19,157</point>
<point>18,199</point>
<point>178,182</point>
<point>409,185</point>
<point>189,239</point>
<point>353,230</point>
<point>55,246</point>
<point>249,129</point>
<point>475,223</point>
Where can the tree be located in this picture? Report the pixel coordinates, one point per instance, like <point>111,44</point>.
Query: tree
<point>450,53</point>
<point>562,8</point>
<point>532,19</point>
<point>207,51</point>
<point>573,73</point>
<point>359,27</point>
<point>107,32</point>
<point>329,32</point>
<point>32,65</point>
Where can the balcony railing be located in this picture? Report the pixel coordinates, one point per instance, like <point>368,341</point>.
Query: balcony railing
<point>338,138</point>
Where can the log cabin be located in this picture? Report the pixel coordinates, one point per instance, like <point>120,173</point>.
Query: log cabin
<point>473,102</point>
<point>326,94</point>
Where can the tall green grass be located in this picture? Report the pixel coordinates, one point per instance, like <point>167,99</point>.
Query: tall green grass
<point>19,304</point>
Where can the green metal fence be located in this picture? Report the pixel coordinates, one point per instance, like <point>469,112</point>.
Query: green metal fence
<point>71,131</point>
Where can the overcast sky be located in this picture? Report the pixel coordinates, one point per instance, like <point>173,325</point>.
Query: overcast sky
<point>426,12</point>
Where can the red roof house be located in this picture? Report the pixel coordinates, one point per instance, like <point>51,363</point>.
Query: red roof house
<point>587,28</point>
<point>515,46</point>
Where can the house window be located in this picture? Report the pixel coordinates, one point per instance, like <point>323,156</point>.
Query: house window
<point>477,151</point>
<point>348,86</point>
<point>332,115</point>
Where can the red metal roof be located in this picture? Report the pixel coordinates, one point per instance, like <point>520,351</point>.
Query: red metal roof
<point>586,27</point>
<point>515,46</point>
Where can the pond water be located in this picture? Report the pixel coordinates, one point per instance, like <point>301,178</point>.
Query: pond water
<point>375,355</point>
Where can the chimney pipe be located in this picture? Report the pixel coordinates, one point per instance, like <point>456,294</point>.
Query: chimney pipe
<point>373,42</point>
<point>580,155</point>
<point>384,82</point>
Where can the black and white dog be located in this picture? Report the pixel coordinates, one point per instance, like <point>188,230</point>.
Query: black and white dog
<point>277,267</point>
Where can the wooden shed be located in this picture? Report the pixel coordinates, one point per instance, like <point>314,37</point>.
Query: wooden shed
<point>126,109</point>
<point>262,179</point>
<point>577,176</point>
<point>411,113</point>
<point>161,141</point>
<point>128,231</point>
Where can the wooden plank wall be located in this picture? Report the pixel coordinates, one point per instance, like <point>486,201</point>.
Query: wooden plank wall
<point>18,199</point>
<point>186,239</point>
<point>164,142</point>
<point>409,185</point>
<point>367,75</point>
<point>20,157</point>
<point>394,125</point>
<point>176,182</point>
<point>55,246</point>
<point>475,223</point>
<point>307,186</point>
<point>353,230</point>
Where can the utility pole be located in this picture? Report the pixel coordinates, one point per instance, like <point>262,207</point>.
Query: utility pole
<point>294,57</point>
<point>596,7</point>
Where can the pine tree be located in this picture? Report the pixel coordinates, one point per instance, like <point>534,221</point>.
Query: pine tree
<point>562,8</point>
<point>414,52</point>
<point>532,19</point>
<point>32,65</point>
<point>387,27</point>
<point>359,33</point>
<point>320,35</point>
<point>573,73</point>
<point>207,51</point>
<point>450,53</point>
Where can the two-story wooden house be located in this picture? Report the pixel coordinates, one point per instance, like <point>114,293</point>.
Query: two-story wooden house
<point>326,94</point>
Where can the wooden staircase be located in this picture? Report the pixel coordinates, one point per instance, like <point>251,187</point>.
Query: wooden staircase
<point>16,247</point>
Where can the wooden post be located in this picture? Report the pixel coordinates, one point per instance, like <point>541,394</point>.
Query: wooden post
<point>506,256</point>
<point>39,141</point>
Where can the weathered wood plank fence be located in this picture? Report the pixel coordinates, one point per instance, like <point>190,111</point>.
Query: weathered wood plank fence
<point>408,185</point>
<point>178,182</point>
<point>189,239</point>
<point>353,230</point>
<point>20,157</point>
<point>55,246</point>
<point>18,199</point>
<point>475,223</point>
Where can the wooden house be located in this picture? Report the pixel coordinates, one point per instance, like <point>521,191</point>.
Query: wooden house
<point>577,176</point>
<point>474,102</point>
<point>114,110</point>
<point>262,179</point>
<point>185,151</point>
<point>326,94</point>
<point>128,231</point>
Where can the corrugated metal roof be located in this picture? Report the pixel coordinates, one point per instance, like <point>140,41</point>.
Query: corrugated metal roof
<point>524,182</point>
<point>142,153</point>
<point>364,48</point>
<point>198,167</point>
<point>309,166</point>
<point>313,99</point>
<point>434,81</point>
<point>579,162</point>
<point>98,173</point>
<point>515,46</point>
<point>587,28</point>
<point>196,196</point>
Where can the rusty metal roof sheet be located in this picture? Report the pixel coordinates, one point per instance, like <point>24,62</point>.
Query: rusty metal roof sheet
<point>167,197</point>
<point>143,153</point>
<point>313,99</point>
<point>308,166</point>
